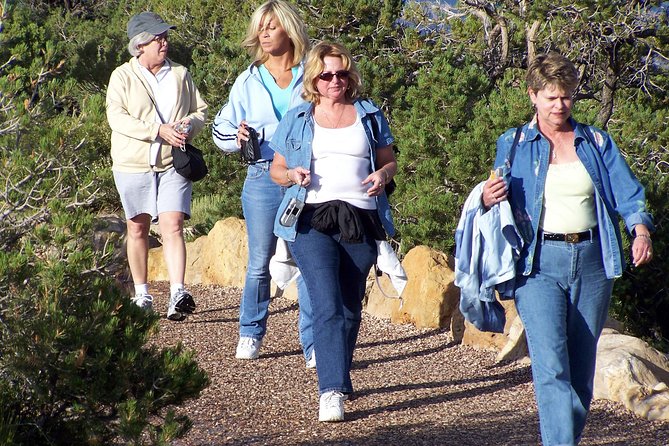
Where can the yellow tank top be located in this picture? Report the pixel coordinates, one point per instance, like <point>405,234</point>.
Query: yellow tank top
<point>569,204</point>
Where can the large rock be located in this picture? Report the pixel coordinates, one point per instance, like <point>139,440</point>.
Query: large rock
<point>224,261</point>
<point>633,373</point>
<point>379,304</point>
<point>430,297</point>
<point>511,344</point>
<point>218,258</point>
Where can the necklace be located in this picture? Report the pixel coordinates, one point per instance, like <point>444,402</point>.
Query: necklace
<point>281,76</point>
<point>332,124</point>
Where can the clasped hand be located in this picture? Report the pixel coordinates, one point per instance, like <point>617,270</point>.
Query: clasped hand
<point>171,135</point>
<point>494,191</point>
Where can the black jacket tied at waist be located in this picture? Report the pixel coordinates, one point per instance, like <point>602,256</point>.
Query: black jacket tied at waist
<point>350,221</point>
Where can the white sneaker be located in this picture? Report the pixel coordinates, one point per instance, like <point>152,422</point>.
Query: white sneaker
<point>311,363</point>
<point>331,406</point>
<point>248,348</point>
<point>143,301</point>
<point>181,304</point>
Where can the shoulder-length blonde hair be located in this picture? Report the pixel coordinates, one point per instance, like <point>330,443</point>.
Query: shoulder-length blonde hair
<point>314,67</point>
<point>289,18</point>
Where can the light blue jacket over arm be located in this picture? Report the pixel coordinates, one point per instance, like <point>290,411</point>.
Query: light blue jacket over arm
<point>487,246</point>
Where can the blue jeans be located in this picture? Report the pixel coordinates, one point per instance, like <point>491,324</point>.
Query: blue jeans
<point>261,198</point>
<point>563,304</point>
<point>335,273</point>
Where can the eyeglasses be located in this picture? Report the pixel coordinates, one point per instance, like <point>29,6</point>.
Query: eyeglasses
<point>161,38</point>
<point>341,74</point>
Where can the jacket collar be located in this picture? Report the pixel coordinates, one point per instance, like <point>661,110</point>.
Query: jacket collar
<point>532,132</point>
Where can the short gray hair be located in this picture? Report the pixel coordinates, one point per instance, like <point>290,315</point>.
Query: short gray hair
<point>140,39</point>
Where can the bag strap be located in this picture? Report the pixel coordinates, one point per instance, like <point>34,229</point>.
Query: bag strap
<point>378,273</point>
<point>516,139</point>
<point>148,93</point>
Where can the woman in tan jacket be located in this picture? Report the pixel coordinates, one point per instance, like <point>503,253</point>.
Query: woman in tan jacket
<point>152,105</point>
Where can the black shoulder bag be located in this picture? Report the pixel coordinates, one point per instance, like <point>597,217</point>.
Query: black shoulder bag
<point>188,160</point>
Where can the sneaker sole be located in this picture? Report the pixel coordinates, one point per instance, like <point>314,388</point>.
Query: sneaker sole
<point>176,316</point>
<point>246,357</point>
<point>185,305</point>
<point>331,419</point>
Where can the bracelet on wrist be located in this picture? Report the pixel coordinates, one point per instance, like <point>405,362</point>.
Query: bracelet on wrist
<point>288,177</point>
<point>644,236</point>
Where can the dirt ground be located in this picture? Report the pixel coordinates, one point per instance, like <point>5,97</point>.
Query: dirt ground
<point>412,387</point>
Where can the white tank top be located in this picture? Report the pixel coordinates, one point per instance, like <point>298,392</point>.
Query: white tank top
<point>339,164</point>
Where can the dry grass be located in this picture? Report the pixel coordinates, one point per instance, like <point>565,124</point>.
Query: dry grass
<point>412,387</point>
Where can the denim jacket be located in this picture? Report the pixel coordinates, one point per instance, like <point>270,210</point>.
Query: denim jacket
<point>617,191</point>
<point>293,138</point>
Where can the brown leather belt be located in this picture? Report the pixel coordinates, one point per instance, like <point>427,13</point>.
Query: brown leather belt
<point>572,237</point>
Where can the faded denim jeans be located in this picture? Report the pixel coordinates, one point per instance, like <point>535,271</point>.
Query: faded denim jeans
<point>563,304</point>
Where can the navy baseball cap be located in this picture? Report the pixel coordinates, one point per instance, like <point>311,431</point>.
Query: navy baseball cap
<point>149,22</point>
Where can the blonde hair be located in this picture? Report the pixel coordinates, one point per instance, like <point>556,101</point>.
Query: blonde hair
<point>139,40</point>
<point>552,69</point>
<point>314,67</point>
<point>289,19</point>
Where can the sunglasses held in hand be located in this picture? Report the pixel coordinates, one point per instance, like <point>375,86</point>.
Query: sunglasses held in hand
<point>327,77</point>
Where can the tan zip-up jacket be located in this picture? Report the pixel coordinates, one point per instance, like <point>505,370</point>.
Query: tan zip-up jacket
<point>131,114</point>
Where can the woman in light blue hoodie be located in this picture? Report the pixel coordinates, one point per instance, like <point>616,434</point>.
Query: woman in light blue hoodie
<point>277,40</point>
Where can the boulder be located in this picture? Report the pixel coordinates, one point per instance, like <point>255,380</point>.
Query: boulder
<point>632,372</point>
<point>511,343</point>
<point>430,297</point>
<point>225,258</point>
<point>379,304</point>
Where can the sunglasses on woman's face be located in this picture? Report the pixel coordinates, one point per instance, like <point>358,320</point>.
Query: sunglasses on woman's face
<point>327,77</point>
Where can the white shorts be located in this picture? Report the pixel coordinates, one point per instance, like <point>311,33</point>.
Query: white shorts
<point>154,193</point>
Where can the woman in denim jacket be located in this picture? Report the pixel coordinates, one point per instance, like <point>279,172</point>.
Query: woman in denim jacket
<point>567,184</point>
<point>335,155</point>
<point>277,39</point>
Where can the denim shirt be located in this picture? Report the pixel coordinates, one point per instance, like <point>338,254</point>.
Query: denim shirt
<point>617,191</point>
<point>293,138</point>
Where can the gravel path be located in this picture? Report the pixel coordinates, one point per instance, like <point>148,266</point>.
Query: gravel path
<point>412,387</point>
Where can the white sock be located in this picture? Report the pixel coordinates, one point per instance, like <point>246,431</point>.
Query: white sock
<point>175,288</point>
<point>142,288</point>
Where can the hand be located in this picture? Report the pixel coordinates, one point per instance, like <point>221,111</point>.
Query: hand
<point>642,248</point>
<point>242,133</point>
<point>171,136</point>
<point>379,179</point>
<point>494,191</point>
<point>299,175</point>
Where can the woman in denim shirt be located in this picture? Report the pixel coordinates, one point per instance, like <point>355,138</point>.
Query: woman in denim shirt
<point>567,185</point>
<point>335,154</point>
